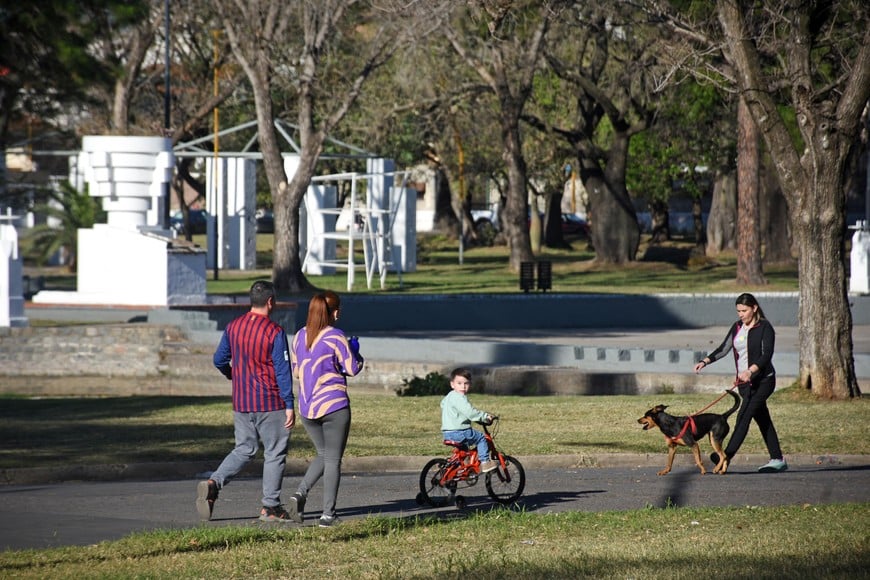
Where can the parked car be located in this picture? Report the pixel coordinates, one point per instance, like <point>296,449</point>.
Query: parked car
<point>198,221</point>
<point>265,221</point>
<point>572,224</point>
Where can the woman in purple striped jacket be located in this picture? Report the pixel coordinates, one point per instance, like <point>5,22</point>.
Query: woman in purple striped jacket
<point>322,358</point>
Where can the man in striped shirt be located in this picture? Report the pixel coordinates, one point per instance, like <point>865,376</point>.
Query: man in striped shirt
<point>253,354</point>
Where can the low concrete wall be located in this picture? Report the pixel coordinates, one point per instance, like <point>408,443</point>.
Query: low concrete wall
<point>160,359</point>
<point>362,313</point>
<point>109,350</point>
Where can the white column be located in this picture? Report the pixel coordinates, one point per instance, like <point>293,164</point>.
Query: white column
<point>404,232</point>
<point>11,279</point>
<point>231,200</point>
<point>859,277</point>
<point>216,206</point>
<point>319,227</point>
<point>380,183</point>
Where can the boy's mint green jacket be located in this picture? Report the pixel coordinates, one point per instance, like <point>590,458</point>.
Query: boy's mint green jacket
<point>458,413</point>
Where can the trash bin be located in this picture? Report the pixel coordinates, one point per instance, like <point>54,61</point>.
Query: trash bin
<point>527,276</point>
<point>545,275</point>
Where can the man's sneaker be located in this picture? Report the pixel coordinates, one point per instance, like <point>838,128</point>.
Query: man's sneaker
<point>488,466</point>
<point>206,494</point>
<point>297,507</point>
<point>274,514</point>
<point>773,466</point>
<point>328,521</point>
<point>714,457</point>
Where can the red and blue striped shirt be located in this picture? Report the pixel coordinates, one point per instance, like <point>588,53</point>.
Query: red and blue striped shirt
<point>253,353</point>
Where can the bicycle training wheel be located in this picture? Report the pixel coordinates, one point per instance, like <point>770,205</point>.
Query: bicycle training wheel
<point>431,489</point>
<point>506,484</point>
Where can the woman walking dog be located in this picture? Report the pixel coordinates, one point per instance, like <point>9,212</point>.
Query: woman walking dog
<point>751,340</point>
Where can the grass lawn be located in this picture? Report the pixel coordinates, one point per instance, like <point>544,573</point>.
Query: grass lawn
<point>668,267</point>
<point>829,541</point>
<point>811,541</point>
<point>41,432</point>
<point>751,543</point>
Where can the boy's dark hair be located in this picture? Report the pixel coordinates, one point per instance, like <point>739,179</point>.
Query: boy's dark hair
<point>460,372</point>
<point>261,291</point>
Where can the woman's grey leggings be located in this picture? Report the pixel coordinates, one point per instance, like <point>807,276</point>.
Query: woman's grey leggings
<point>329,435</point>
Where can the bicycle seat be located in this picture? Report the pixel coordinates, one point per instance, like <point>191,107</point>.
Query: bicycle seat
<point>458,444</point>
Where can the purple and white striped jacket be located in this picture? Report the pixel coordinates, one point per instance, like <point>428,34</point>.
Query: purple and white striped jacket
<point>322,372</point>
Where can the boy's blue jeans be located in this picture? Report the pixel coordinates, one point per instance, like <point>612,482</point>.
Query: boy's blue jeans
<point>471,437</point>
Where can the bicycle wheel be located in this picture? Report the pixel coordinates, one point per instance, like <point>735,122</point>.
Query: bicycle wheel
<point>506,484</point>
<point>431,489</point>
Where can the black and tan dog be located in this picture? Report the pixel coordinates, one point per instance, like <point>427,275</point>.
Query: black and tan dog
<point>689,430</point>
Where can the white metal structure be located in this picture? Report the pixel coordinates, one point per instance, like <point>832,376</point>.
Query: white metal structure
<point>370,228</point>
<point>385,224</point>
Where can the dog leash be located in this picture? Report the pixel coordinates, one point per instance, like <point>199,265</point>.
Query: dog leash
<point>722,396</point>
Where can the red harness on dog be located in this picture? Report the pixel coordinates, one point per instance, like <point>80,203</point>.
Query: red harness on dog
<point>690,420</point>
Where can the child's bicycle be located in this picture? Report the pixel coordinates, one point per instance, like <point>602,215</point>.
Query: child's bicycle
<point>441,477</point>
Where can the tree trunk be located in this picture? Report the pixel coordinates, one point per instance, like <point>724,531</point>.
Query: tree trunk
<point>553,235</point>
<point>286,265</point>
<point>287,270</point>
<point>812,179</point>
<point>181,180</point>
<point>776,228</point>
<point>616,233</point>
<point>286,242</point>
<point>700,233</point>
<point>722,221</point>
<point>749,272</point>
<point>445,220</point>
<point>825,319</point>
<point>516,211</point>
<point>659,221</point>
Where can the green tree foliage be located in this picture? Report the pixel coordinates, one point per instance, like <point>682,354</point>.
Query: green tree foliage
<point>45,63</point>
<point>432,384</point>
<point>74,210</point>
<point>694,128</point>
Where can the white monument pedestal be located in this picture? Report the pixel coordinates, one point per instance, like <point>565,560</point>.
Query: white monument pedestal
<point>126,261</point>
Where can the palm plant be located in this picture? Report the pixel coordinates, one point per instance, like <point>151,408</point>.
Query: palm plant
<point>74,210</point>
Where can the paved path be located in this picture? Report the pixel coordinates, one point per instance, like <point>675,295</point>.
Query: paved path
<point>42,516</point>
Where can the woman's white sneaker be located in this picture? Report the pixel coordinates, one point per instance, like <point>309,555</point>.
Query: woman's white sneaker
<point>773,466</point>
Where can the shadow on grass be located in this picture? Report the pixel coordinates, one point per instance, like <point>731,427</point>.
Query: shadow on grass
<point>676,255</point>
<point>50,432</point>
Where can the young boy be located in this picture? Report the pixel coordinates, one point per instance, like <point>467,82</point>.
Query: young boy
<point>457,413</point>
